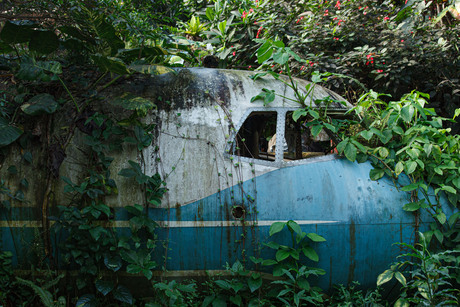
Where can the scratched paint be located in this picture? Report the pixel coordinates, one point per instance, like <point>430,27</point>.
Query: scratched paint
<point>335,198</point>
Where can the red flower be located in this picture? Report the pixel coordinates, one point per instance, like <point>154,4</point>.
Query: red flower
<point>258,32</point>
<point>234,53</point>
<point>337,5</point>
<point>386,18</point>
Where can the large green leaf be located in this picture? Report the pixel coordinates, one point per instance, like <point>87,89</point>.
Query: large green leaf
<point>264,52</point>
<point>104,286</point>
<point>40,104</point>
<point>384,277</point>
<point>280,57</point>
<point>310,253</point>
<point>15,32</point>
<point>110,64</point>
<point>113,263</point>
<point>37,71</point>
<point>87,300</point>
<point>350,152</point>
<point>107,32</point>
<point>292,225</point>
<point>254,283</point>
<point>43,42</point>
<point>282,254</point>
<point>315,237</point>
<point>122,294</point>
<point>276,227</point>
<point>376,173</point>
<point>8,133</point>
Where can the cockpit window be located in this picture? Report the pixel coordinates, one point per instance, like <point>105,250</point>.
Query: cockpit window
<point>301,144</point>
<point>258,138</point>
<point>254,135</point>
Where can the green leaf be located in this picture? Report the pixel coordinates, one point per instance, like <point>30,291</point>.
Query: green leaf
<point>367,134</point>
<point>40,104</point>
<point>384,277</point>
<point>315,238</point>
<point>8,133</point>
<point>399,168</point>
<point>383,152</point>
<point>438,234</point>
<point>35,71</point>
<point>298,114</point>
<point>264,52</point>
<point>407,113</point>
<point>276,227</point>
<point>122,294</point>
<point>341,146</point>
<point>104,286</point>
<point>97,232</point>
<point>411,206</point>
<point>292,225</point>
<point>410,187</point>
<point>456,182</point>
<point>376,173</point>
<point>410,167</point>
<point>107,32</point>
<point>280,57</point>
<point>400,277</point>
<point>43,42</point>
<point>14,32</point>
<point>237,300</point>
<point>266,95</point>
<point>113,263</point>
<point>127,172</point>
<point>401,302</point>
<point>268,262</point>
<point>316,129</point>
<point>310,253</point>
<point>315,115</point>
<point>350,152</point>
<point>441,218</point>
<point>223,284</point>
<point>110,64</point>
<point>448,189</point>
<point>254,283</point>
<point>281,254</point>
<point>87,300</point>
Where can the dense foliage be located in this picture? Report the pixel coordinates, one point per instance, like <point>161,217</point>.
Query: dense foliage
<point>61,56</point>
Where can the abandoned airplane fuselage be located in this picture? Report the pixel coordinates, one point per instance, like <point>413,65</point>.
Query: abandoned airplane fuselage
<point>226,187</point>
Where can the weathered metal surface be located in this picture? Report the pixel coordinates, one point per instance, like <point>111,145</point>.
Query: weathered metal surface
<point>220,205</point>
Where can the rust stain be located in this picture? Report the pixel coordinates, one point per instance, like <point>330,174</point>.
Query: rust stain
<point>228,231</point>
<point>351,267</point>
<point>199,211</point>
<point>178,212</point>
<point>330,273</point>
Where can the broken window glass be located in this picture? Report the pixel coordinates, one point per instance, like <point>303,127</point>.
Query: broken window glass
<point>254,135</point>
<point>257,138</point>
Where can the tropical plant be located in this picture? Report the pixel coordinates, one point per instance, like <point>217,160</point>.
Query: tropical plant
<point>430,276</point>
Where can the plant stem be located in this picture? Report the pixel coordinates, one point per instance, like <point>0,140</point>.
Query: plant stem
<point>70,94</point>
